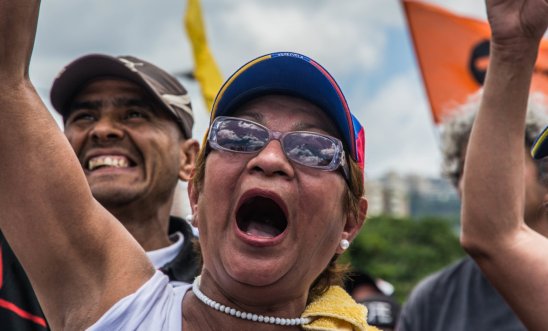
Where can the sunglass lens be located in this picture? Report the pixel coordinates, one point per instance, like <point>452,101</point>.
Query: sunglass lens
<point>310,149</point>
<point>241,136</point>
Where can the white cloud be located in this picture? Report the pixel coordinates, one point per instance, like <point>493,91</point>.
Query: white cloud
<point>349,37</point>
<point>399,130</point>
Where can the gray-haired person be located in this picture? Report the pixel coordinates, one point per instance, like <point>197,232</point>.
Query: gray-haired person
<point>459,297</point>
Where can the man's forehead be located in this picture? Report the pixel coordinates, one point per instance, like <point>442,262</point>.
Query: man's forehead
<point>104,92</point>
<point>110,85</point>
<point>117,92</point>
<point>120,93</point>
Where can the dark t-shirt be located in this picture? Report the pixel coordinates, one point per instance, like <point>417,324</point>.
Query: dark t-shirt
<point>457,298</point>
<point>19,309</point>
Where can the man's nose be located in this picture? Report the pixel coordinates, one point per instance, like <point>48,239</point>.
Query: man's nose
<point>106,129</point>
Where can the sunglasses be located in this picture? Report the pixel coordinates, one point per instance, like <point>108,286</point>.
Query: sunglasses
<point>310,149</point>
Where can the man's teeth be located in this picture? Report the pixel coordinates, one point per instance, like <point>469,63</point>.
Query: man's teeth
<point>108,161</point>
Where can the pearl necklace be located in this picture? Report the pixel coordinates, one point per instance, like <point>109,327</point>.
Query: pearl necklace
<point>243,315</point>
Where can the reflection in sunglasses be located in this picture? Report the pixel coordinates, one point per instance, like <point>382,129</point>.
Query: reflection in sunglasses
<point>307,148</point>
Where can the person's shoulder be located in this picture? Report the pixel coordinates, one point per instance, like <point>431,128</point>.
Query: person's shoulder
<point>444,275</point>
<point>427,289</point>
<point>157,302</point>
<point>426,299</point>
<point>455,271</point>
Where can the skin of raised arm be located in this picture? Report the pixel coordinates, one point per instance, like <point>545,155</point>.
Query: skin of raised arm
<point>80,260</point>
<point>513,257</point>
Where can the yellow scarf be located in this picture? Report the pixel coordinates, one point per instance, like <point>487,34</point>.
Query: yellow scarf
<point>336,310</point>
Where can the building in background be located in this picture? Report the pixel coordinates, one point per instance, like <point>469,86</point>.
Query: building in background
<point>412,196</point>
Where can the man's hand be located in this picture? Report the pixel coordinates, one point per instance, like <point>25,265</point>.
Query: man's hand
<point>18,21</point>
<point>515,22</point>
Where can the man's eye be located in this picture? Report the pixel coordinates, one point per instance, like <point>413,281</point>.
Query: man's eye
<point>135,114</point>
<point>83,117</point>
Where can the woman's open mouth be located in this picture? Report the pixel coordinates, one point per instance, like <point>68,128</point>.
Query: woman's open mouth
<point>262,217</point>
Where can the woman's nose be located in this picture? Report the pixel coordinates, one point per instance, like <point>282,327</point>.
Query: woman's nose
<point>272,161</point>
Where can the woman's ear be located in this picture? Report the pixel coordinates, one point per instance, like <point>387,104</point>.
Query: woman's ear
<point>354,223</point>
<point>193,197</point>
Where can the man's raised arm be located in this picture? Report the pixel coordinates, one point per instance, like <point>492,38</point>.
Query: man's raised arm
<point>79,259</point>
<point>512,255</point>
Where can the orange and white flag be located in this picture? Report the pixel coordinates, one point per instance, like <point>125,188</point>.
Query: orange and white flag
<point>453,55</point>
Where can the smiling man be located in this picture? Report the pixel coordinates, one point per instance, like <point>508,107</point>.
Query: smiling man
<point>130,124</point>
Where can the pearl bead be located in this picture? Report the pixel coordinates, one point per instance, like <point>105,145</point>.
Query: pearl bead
<point>243,315</point>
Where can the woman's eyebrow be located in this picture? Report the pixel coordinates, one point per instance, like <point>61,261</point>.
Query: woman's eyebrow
<point>302,126</point>
<point>305,126</point>
<point>253,115</point>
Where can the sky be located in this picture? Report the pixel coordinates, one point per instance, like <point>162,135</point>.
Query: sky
<point>364,44</point>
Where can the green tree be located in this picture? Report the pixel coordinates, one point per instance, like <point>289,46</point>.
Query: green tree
<point>403,251</point>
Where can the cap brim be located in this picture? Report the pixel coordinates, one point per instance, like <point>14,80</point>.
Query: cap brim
<point>291,74</point>
<point>539,149</point>
<point>76,74</point>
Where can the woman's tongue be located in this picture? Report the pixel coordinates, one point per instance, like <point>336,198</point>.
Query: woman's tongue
<point>263,228</point>
<point>261,217</point>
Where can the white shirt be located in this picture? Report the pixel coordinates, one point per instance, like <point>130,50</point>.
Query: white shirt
<point>157,305</point>
<point>163,256</point>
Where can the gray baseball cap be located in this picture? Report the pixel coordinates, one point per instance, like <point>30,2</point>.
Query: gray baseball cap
<point>165,88</point>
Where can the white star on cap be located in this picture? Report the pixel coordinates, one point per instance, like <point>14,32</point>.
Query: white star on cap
<point>180,101</point>
<point>131,65</point>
